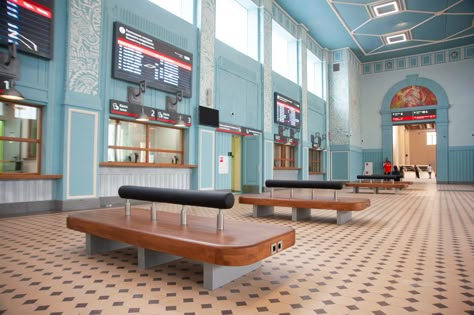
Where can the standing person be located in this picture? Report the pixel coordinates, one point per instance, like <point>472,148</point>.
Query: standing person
<point>397,173</point>
<point>387,167</point>
<point>417,171</point>
<point>430,169</point>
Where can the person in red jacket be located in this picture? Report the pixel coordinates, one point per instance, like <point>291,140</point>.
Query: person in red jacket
<point>387,167</point>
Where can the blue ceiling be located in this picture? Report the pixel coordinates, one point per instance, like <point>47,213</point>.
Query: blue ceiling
<point>429,25</point>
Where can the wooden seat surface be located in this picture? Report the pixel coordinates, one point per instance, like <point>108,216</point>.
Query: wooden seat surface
<point>399,185</point>
<point>344,204</point>
<point>239,244</point>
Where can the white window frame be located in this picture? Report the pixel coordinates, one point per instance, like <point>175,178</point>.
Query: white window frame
<point>181,8</point>
<point>284,53</point>
<point>431,138</point>
<point>315,74</point>
<point>237,25</point>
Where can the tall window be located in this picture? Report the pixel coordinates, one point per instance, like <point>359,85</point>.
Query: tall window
<point>131,142</point>
<point>284,53</point>
<point>314,161</point>
<point>315,74</point>
<point>284,156</point>
<point>182,8</point>
<point>237,25</point>
<point>431,138</point>
<point>20,138</point>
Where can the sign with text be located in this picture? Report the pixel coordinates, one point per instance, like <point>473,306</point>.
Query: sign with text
<point>423,114</point>
<point>238,130</point>
<point>154,114</point>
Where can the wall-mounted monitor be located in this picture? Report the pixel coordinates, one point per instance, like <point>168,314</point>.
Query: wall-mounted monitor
<point>208,116</point>
<point>138,56</point>
<point>287,111</point>
<point>28,24</point>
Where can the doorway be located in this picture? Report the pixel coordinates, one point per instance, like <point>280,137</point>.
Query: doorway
<point>236,164</point>
<point>415,144</point>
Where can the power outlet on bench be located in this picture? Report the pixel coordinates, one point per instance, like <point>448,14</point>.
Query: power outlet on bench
<point>273,248</point>
<point>280,246</point>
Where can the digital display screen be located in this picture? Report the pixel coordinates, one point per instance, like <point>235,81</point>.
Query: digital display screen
<point>28,24</point>
<point>138,56</point>
<point>287,111</point>
<point>422,114</point>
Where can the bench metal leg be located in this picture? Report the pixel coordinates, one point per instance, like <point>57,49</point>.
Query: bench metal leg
<point>397,191</point>
<point>300,213</point>
<point>356,189</point>
<point>263,211</point>
<point>148,258</point>
<point>376,190</point>
<point>216,276</point>
<point>97,245</point>
<point>343,216</point>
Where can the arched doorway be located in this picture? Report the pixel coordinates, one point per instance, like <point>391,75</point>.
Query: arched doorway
<point>441,109</point>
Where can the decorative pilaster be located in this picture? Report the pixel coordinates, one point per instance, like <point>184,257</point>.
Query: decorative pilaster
<point>266,54</point>
<point>83,57</point>
<point>206,57</point>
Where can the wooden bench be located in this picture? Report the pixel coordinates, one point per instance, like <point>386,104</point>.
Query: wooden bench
<point>263,205</point>
<point>377,182</point>
<point>160,237</point>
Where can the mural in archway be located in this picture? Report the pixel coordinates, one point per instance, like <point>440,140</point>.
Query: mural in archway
<point>413,95</point>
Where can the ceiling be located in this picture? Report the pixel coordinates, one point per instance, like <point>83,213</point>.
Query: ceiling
<point>429,25</point>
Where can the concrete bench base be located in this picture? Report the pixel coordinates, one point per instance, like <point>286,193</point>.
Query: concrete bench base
<point>376,186</point>
<point>214,276</point>
<point>342,216</point>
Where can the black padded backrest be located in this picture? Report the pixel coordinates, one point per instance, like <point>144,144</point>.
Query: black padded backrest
<point>211,199</point>
<point>314,184</point>
<point>378,176</point>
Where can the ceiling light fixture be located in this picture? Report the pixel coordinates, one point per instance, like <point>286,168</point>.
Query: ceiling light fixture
<point>395,39</point>
<point>386,8</point>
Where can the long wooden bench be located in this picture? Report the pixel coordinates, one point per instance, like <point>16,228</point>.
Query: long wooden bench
<point>227,252</point>
<point>263,205</point>
<point>377,182</point>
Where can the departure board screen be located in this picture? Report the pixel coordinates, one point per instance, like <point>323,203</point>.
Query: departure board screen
<point>28,24</point>
<point>422,114</point>
<point>138,56</point>
<point>287,111</point>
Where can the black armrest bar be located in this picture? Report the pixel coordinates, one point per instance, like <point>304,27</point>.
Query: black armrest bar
<point>211,199</point>
<point>314,184</point>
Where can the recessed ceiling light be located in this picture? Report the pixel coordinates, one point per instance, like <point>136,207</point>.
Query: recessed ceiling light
<point>386,8</point>
<point>397,38</point>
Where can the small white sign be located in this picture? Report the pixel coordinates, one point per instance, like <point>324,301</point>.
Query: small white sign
<point>223,164</point>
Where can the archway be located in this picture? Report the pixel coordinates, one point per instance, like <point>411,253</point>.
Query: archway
<point>441,121</point>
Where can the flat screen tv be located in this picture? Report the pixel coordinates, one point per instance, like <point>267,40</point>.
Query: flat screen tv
<point>287,111</point>
<point>28,24</point>
<point>138,56</point>
<point>208,116</point>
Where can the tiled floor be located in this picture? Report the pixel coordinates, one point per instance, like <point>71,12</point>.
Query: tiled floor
<point>408,253</point>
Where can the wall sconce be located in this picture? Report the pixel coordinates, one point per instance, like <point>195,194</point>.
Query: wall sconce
<point>9,69</point>
<point>134,96</point>
<point>172,104</point>
<point>10,93</point>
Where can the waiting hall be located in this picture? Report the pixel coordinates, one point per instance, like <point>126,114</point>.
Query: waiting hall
<point>236,157</point>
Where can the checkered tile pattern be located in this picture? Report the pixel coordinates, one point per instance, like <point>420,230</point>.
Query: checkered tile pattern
<point>407,254</point>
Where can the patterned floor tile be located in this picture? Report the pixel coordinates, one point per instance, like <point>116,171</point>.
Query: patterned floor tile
<point>410,253</point>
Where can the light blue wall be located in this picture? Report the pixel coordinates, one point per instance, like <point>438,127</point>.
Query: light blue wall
<point>238,88</point>
<point>207,160</point>
<point>455,79</point>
